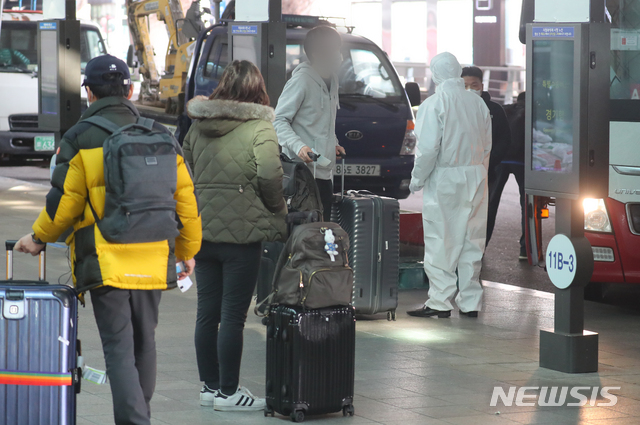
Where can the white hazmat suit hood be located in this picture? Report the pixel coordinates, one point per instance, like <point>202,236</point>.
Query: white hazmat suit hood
<point>444,67</point>
<point>452,158</point>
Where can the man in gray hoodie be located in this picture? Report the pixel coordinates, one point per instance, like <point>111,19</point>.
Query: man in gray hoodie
<point>306,111</point>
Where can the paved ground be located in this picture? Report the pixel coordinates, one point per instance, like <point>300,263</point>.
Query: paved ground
<point>413,371</point>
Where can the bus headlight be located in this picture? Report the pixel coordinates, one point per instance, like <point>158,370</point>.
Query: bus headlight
<point>409,142</point>
<point>596,218</point>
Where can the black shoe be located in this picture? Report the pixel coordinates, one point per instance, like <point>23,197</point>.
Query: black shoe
<point>469,313</point>
<point>523,255</point>
<point>425,311</point>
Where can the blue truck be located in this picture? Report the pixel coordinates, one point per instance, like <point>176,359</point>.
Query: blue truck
<point>375,122</point>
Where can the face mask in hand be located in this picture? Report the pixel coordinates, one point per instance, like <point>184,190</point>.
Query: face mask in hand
<point>478,92</point>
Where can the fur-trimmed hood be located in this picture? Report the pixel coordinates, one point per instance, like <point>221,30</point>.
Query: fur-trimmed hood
<point>219,117</point>
<point>201,107</point>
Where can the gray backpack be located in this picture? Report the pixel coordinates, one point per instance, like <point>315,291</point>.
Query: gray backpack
<point>140,175</point>
<point>306,276</point>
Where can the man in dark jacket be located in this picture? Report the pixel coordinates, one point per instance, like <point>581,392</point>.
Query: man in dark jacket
<point>513,163</point>
<point>500,131</point>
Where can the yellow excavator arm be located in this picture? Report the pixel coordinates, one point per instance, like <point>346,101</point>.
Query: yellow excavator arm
<point>158,89</point>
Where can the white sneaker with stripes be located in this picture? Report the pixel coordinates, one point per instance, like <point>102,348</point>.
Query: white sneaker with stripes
<point>241,401</point>
<point>207,395</point>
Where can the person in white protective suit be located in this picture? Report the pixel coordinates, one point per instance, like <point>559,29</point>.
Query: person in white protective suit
<point>452,159</point>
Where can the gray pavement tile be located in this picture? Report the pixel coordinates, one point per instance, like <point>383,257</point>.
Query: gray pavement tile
<point>176,385</point>
<point>622,361</point>
<point>539,417</point>
<point>186,395</point>
<point>616,421</point>
<point>509,376</point>
<point>196,415</point>
<point>441,412</point>
<point>479,420</point>
<point>416,402</point>
<point>466,400</point>
<point>627,378</point>
<point>628,409</point>
<point>589,414</point>
<point>160,403</point>
<point>362,375</point>
<point>522,366</point>
<point>104,408</point>
<point>374,390</point>
<point>108,420</point>
<point>421,421</point>
<point>500,409</point>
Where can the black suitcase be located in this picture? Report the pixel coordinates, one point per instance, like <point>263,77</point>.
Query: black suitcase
<point>270,254</point>
<point>373,225</point>
<point>39,378</point>
<point>310,361</point>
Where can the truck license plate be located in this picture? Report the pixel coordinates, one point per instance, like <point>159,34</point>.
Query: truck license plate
<point>358,170</point>
<point>44,143</point>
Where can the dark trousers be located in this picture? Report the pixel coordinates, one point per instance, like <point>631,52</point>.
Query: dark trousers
<point>495,193</point>
<point>127,322</point>
<point>226,276</point>
<point>326,196</point>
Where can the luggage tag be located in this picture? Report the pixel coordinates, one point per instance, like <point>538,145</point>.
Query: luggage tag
<point>97,376</point>
<point>330,247</point>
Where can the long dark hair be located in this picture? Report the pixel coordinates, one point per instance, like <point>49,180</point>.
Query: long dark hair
<point>242,82</point>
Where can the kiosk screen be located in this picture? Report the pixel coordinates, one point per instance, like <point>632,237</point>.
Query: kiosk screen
<point>552,114</point>
<point>245,48</point>
<point>49,72</point>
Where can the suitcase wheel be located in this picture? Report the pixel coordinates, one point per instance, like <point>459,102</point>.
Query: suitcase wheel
<point>268,411</point>
<point>297,416</point>
<point>391,315</point>
<point>348,410</point>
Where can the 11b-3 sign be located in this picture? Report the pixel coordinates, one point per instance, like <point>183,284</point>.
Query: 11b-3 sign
<point>561,261</point>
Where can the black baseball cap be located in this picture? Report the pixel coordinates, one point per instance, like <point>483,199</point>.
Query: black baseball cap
<point>103,65</point>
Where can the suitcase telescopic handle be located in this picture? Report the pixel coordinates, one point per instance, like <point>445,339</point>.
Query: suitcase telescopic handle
<point>342,179</point>
<point>42,261</point>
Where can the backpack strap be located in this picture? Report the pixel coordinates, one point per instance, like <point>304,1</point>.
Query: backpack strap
<point>108,126</point>
<point>146,123</point>
<point>263,308</point>
<point>111,128</point>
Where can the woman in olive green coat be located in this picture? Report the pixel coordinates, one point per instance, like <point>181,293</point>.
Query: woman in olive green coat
<point>233,152</point>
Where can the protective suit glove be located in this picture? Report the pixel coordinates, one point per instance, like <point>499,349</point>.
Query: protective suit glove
<point>415,187</point>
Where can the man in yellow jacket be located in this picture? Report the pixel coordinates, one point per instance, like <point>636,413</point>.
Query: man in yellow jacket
<point>125,280</point>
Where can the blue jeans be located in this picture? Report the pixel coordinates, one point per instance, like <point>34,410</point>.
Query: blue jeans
<point>226,276</point>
